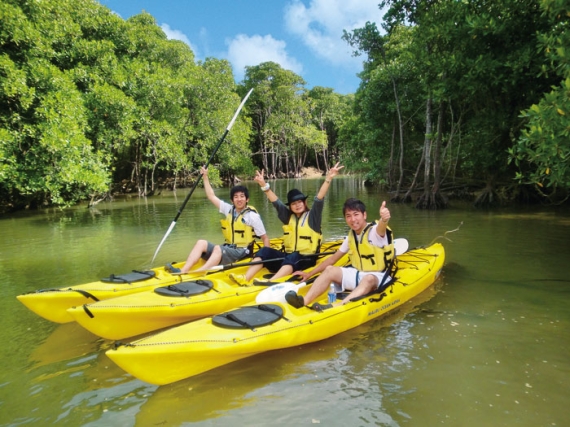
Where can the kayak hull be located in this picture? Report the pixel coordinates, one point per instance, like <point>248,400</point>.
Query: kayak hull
<point>52,304</point>
<point>143,312</point>
<point>199,346</point>
<point>148,311</point>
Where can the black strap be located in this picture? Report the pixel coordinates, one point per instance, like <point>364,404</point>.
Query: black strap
<point>388,279</point>
<point>177,290</point>
<point>369,257</point>
<point>86,294</point>
<point>87,311</point>
<point>202,283</point>
<point>112,278</point>
<point>145,273</point>
<point>272,310</point>
<point>385,283</point>
<point>236,319</point>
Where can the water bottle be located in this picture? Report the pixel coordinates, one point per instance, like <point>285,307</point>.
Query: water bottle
<point>332,294</point>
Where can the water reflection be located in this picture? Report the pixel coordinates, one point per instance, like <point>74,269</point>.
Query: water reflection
<point>243,386</point>
<point>68,341</point>
<point>488,347</point>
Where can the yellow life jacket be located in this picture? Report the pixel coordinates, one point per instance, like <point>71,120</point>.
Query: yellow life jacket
<point>366,257</point>
<point>299,237</point>
<point>235,230</point>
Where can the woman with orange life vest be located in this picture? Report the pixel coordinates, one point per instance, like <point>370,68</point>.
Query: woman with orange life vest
<point>370,247</point>
<point>302,231</point>
<point>241,225</point>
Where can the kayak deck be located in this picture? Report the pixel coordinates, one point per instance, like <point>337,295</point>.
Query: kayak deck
<point>52,304</point>
<point>199,346</point>
<point>148,311</point>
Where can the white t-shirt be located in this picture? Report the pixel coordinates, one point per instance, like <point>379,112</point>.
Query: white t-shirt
<point>249,218</point>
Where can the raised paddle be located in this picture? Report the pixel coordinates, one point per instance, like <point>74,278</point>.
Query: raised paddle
<point>276,293</point>
<point>200,176</point>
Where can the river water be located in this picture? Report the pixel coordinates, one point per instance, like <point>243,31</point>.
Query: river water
<point>487,345</point>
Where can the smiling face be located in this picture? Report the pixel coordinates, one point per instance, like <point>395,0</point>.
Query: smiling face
<point>298,207</point>
<point>355,219</point>
<point>240,201</point>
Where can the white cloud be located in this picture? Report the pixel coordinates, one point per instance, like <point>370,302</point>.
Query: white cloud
<point>204,38</point>
<point>253,50</point>
<point>177,35</point>
<point>320,25</point>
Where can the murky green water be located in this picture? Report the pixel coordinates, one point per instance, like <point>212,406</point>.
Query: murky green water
<point>488,345</point>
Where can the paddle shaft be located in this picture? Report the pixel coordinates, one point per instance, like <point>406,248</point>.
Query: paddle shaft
<point>200,175</point>
<point>245,264</point>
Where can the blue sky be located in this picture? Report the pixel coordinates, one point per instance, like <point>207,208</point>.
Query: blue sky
<point>303,36</point>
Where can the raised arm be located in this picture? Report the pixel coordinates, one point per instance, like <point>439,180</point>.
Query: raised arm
<point>208,187</point>
<point>330,175</point>
<point>384,218</point>
<point>265,186</point>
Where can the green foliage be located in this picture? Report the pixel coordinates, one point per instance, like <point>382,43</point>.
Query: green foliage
<point>475,60</point>
<point>87,99</point>
<point>542,152</point>
<point>285,129</point>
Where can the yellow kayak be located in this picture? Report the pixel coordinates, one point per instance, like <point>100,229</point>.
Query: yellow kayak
<point>205,344</point>
<point>52,304</point>
<point>193,298</point>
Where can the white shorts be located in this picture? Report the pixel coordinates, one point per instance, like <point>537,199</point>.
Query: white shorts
<point>351,277</point>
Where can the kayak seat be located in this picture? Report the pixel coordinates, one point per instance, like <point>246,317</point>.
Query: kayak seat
<point>185,289</point>
<point>133,276</point>
<point>249,317</point>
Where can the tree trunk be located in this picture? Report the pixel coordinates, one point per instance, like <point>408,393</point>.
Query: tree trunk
<point>317,159</point>
<point>423,201</point>
<point>263,149</point>
<point>391,161</point>
<point>433,199</point>
<point>407,197</point>
<point>325,160</point>
<point>437,199</point>
<point>400,125</point>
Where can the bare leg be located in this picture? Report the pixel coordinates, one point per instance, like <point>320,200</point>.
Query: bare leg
<point>195,254</point>
<point>253,269</point>
<point>215,259</point>
<point>367,284</point>
<point>285,270</point>
<point>331,274</point>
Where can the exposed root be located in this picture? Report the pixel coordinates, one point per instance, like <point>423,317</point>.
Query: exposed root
<point>434,201</point>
